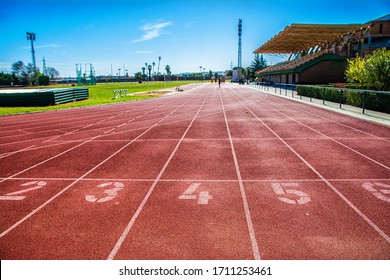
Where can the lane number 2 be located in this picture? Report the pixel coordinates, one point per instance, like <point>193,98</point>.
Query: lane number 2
<point>282,189</point>
<point>379,190</point>
<point>110,192</point>
<point>33,185</point>
<point>203,197</point>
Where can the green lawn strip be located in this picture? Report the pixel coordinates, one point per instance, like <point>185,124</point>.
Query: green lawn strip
<point>101,94</point>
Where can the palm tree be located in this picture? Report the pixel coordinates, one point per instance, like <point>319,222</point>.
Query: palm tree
<point>149,70</point>
<point>168,69</point>
<point>158,67</point>
<point>153,68</point>
<point>143,71</point>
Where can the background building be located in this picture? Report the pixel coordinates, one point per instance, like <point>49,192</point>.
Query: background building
<point>318,52</point>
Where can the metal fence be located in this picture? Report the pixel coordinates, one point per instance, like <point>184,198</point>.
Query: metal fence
<point>365,99</point>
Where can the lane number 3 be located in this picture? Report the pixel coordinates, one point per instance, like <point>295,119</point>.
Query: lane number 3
<point>110,192</point>
<point>283,189</point>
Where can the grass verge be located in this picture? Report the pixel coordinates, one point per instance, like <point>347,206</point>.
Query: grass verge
<point>101,94</point>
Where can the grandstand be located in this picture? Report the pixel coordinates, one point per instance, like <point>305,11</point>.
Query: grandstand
<point>318,52</point>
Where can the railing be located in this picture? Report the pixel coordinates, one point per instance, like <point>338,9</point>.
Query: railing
<point>364,99</point>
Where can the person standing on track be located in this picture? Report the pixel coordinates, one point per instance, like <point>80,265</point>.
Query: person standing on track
<point>219,81</point>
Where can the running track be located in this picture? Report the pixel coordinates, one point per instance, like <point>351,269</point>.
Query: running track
<point>208,173</point>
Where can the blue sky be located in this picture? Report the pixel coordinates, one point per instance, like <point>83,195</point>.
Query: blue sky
<point>185,33</point>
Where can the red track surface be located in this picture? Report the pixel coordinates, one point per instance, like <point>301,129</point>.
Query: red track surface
<point>209,173</point>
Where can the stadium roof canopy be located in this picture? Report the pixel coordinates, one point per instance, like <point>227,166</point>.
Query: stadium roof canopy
<point>298,37</point>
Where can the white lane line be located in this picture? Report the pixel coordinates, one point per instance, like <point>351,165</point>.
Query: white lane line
<point>328,137</point>
<point>72,148</point>
<point>327,182</point>
<point>79,179</point>
<point>15,152</point>
<point>255,246</point>
<point>122,238</point>
<point>195,180</point>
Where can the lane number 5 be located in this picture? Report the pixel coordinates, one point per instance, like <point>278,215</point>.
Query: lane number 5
<point>283,189</point>
<point>379,190</point>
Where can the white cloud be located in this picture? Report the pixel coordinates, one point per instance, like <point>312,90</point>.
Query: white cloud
<point>43,46</point>
<point>152,31</point>
<point>144,52</point>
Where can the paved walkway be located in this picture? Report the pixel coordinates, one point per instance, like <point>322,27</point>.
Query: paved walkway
<point>369,115</point>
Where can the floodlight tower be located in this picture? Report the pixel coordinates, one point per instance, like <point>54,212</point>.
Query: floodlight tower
<point>239,43</point>
<point>31,36</point>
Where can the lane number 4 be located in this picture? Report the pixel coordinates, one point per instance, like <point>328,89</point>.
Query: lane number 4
<point>284,189</point>
<point>203,197</point>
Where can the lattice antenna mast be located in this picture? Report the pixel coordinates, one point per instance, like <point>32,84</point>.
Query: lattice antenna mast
<point>239,43</point>
<point>44,67</point>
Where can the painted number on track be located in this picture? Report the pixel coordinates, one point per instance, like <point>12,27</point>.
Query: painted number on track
<point>111,191</point>
<point>283,189</point>
<point>34,185</point>
<point>203,197</point>
<point>379,190</point>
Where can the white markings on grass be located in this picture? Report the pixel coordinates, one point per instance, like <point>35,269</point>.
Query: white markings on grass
<point>15,195</point>
<point>282,189</point>
<point>151,189</point>
<point>379,190</point>
<point>327,182</point>
<point>252,235</point>
<point>203,197</point>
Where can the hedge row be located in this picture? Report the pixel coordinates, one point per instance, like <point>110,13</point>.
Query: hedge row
<point>373,100</point>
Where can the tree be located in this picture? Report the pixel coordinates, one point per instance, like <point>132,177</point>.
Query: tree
<point>138,75</point>
<point>372,71</point>
<point>149,70</point>
<point>43,80</point>
<point>53,73</point>
<point>24,73</point>
<point>7,79</point>
<point>168,70</point>
<point>258,63</point>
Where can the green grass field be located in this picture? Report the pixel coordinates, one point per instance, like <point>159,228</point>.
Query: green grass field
<point>101,94</point>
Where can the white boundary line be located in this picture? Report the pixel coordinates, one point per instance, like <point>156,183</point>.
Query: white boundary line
<point>191,180</point>
<point>328,137</point>
<point>252,235</point>
<point>80,178</point>
<point>74,147</point>
<point>126,231</point>
<point>350,204</point>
